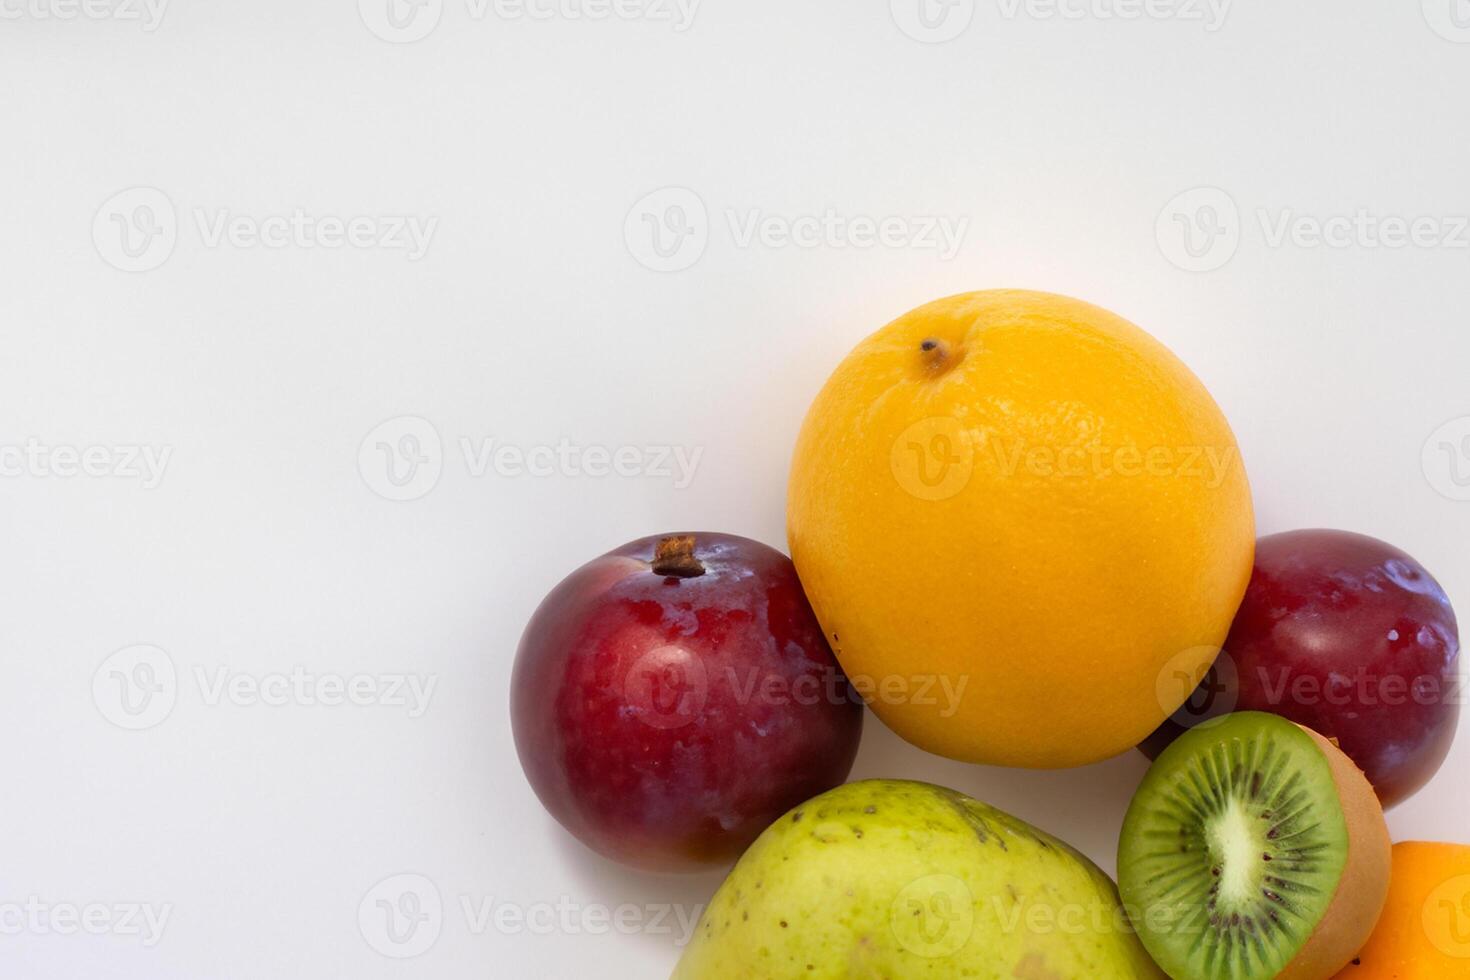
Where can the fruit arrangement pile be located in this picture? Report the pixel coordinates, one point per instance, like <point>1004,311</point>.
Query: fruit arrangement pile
<point>1022,534</point>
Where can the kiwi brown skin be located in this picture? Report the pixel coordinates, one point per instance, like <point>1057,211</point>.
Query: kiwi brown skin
<point>1363,887</point>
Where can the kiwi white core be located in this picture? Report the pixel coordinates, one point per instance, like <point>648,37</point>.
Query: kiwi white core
<point>1235,848</point>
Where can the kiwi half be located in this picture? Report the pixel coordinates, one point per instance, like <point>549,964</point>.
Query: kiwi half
<point>1253,849</point>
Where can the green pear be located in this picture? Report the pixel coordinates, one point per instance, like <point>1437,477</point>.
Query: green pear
<point>899,880</point>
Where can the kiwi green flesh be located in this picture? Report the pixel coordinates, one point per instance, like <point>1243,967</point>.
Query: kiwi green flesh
<point>1232,849</point>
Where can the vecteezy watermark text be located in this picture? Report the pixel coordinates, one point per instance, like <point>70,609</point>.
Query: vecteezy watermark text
<point>566,458</point>
<point>137,230</point>
<point>1201,229</point>
<point>403,459</point>
<point>407,233</point>
<point>1210,684</point>
<point>137,687</point>
<point>40,460</point>
<point>935,233</point>
<point>935,459</point>
<point>1363,229</point>
<point>669,687</point>
<point>403,915</point>
<point>406,21</point>
<point>301,687</point>
<point>1210,13</point>
<point>679,14</point>
<point>669,229</point>
<point>938,21</point>
<point>38,917</point>
<point>568,917</point>
<point>146,13</point>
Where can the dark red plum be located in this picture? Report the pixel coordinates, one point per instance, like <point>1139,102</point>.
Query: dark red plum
<point>1351,637</point>
<point>675,696</point>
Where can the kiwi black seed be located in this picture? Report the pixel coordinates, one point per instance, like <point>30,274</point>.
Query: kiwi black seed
<point>1233,849</point>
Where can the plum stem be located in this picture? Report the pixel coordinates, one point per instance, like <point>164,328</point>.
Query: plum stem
<point>674,557</point>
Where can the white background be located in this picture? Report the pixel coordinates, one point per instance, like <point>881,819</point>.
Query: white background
<point>534,317</point>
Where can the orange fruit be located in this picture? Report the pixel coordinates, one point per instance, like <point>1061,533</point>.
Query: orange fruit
<point>1024,525</point>
<point>1424,932</point>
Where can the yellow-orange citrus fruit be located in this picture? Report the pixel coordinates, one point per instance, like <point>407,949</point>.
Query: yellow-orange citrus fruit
<point>1024,525</point>
<point>1424,932</point>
